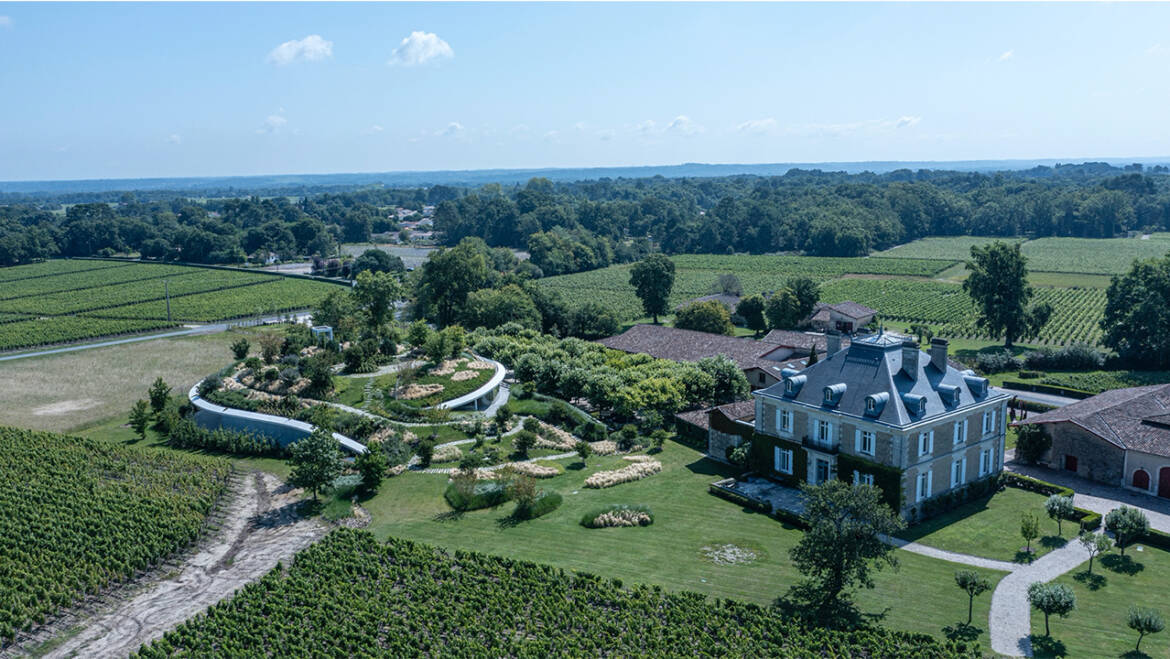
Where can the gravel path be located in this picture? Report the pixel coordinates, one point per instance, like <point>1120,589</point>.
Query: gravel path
<point>1010,620</point>
<point>262,528</point>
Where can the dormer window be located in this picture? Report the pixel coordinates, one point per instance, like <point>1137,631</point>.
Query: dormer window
<point>875,403</point>
<point>870,405</point>
<point>789,387</point>
<point>833,394</point>
<point>793,384</point>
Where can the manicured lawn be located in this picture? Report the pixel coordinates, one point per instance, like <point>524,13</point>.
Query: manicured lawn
<point>350,390</point>
<point>921,596</point>
<point>990,527</point>
<point>1097,627</point>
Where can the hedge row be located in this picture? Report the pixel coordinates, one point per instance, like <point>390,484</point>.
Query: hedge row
<point>1089,520</point>
<point>1067,392</point>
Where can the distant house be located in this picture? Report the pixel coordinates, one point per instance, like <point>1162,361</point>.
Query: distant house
<point>800,343</point>
<point>847,317</point>
<point>760,361</point>
<point>1119,437</point>
<point>880,412</point>
<point>729,301</point>
<point>724,427</point>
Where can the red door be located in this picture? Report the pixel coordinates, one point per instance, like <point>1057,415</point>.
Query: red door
<point>1141,479</point>
<point>1164,482</point>
<point>1070,463</point>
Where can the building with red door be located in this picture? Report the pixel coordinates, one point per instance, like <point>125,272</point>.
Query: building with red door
<point>1119,437</point>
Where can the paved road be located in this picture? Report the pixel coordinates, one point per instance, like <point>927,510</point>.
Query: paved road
<point>1047,399</point>
<point>202,329</point>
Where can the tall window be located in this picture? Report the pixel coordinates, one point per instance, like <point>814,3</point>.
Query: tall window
<point>783,460</point>
<point>824,431</point>
<point>865,442</point>
<point>986,461</point>
<point>989,422</point>
<point>958,472</point>
<point>926,443</point>
<point>862,479</point>
<point>924,483</point>
<point>784,421</point>
<point>960,436</point>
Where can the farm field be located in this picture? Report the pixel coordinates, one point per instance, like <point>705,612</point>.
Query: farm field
<point>1081,255</point>
<point>87,529</point>
<point>405,598</point>
<point>62,301</point>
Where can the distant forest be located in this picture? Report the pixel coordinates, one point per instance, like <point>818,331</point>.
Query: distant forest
<point>573,226</point>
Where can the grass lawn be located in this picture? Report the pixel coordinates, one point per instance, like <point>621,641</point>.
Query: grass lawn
<point>64,391</point>
<point>1097,627</point>
<point>668,553</point>
<point>990,527</point>
<point>350,390</point>
<point>116,430</point>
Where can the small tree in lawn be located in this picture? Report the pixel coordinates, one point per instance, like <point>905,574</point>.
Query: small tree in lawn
<point>315,461</point>
<point>1095,544</point>
<point>140,418</point>
<point>1052,599</point>
<point>372,466</point>
<point>843,544</point>
<point>583,449</point>
<point>240,348</point>
<point>974,584</point>
<point>1059,508</point>
<point>1127,525</point>
<point>1029,529</point>
<point>159,392</point>
<point>1144,621</point>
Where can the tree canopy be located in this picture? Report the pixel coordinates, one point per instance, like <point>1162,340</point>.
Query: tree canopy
<point>653,279</point>
<point>998,284</point>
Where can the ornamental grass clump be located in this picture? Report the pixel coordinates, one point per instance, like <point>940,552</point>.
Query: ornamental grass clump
<point>536,469</point>
<point>634,472</point>
<point>618,515</point>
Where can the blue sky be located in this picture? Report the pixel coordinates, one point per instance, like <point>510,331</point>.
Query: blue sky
<point>140,90</point>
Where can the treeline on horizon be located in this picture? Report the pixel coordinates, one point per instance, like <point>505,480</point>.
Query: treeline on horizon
<point>568,227</point>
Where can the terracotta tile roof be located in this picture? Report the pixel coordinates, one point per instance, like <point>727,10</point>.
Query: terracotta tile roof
<point>683,345</point>
<point>1134,418</point>
<point>739,411</point>
<point>699,418</point>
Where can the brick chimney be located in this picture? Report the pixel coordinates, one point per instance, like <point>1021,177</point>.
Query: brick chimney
<point>910,358</point>
<point>938,354</point>
<point>833,342</point>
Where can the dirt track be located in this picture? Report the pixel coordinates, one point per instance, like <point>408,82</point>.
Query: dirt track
<point>260,528</point>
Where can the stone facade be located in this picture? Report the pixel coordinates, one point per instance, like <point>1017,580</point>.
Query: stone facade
<point>1079,451</point>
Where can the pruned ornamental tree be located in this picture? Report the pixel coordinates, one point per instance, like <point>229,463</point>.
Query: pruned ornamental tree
<point>751,309</point>
<point>1137,313</point>
<point>1029,529</point>
<point>315,461</point>
<point>1059,508</point>
<point>998,284</point>
<point>1127,525</point>
<point>843,545</point>
<point>140,418</point>
<point>653,279</point>
<point>709,316</point>
<point>1051,599</point>
<point>1031,443</point>
<point>1144,621</point>
<point>159,393</point>
<point>1095,544</point>
<point>974,584</point>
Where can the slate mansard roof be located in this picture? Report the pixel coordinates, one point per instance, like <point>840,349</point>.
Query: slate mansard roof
<point>871,368</point>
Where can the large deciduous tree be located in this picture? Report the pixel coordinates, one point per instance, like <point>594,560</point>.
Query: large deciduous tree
<point>449,276</point>
<point>653,279</point>
<point>709,316</point>
<point>1137,314</point>
<point>751,309</point>
<point>315,461</point>
<point>998,283</point>
<point>783,310</point>
<point>843,545</point>
<point>376,293</point>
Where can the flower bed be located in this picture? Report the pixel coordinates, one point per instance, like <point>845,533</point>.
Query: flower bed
<point>634,472</point>
<point>618,515</point>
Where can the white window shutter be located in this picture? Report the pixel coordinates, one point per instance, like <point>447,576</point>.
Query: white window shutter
<point>856,477</point>
<point>929,482</point>
<point>856,444</point>
<point>931,441</point>
<point>993,426</point>
<point>776,459</point>
<point>963,470</point>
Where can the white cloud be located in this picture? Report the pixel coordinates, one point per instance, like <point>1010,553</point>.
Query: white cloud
<point>646,127</point>
<point>1157,49</point>
<point>579,126</point>
<point>906,122</point>
<point>606,134</point>
<point>551,135</point>
<point>174,138</point>
<point>757,126</point>
<point>682,125</point>
<point>310,49</point>
<point>453,129</point>
<point>5,21</point>
<point>273,124</point>
<point>1007,55</point>
<point>420,48</point>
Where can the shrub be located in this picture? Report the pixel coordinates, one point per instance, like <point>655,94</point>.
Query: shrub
<point>997,362</point>
<point>523,442</point>
<point>618,515</point>
<point>289,376</point>
<point>240,348</point>
<point>186,434</point>
<point>1074,357</point>
<point>254,363</point>
<point>208,385</point>
<point>532,425</point>
<point>426,451</point>
<point>482,494</point>
<point>543,504</point>
<point>270,375</point>
<point>270,346</point>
